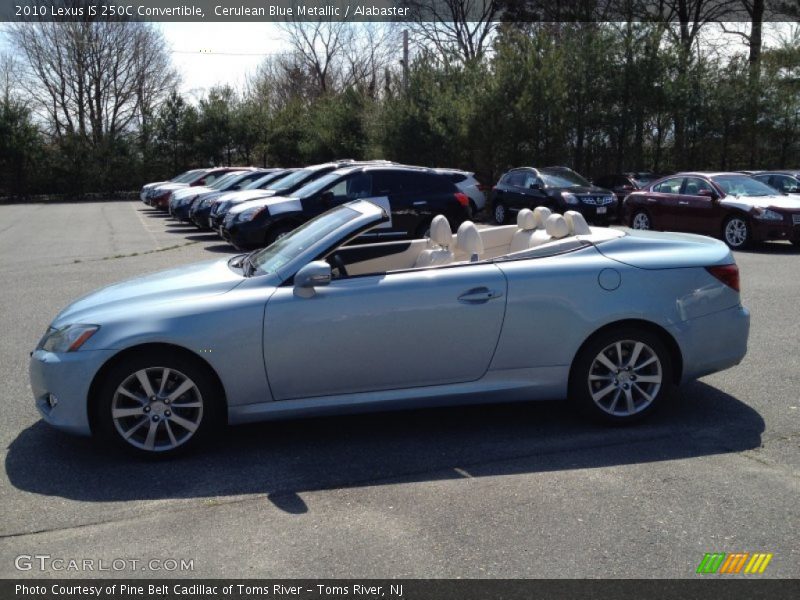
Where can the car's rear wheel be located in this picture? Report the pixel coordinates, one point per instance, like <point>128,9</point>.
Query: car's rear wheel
<point>641,220</point>
<point>157,403</point>
<point>500,213</point>
<point>621,376</point>
<point>736,232</point>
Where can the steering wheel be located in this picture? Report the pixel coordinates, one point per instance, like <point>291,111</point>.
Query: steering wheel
<point>338,264</point>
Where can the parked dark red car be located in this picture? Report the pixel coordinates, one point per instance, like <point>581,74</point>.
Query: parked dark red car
<point>731,206</point>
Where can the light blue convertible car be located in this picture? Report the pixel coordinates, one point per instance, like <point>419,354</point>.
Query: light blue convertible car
<point>547,308</point>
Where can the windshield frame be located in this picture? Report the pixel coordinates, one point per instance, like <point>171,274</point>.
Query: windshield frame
<point>576,180</point>
<point>288,182</point>
<point>770,191</point>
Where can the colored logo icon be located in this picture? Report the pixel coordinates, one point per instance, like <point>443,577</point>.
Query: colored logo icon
<point>733,563</point>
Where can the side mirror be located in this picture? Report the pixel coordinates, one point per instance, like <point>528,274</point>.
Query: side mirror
<point>534,186</point>
<point>317,273</point>
<point>708,194</point>
<point>326,198</point>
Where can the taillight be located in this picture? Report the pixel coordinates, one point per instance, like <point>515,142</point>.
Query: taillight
<point>727,274</point>
<point>462,198</point>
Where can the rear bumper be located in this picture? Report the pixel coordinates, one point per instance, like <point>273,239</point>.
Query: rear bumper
<point>713,342</point>
<point>66,376</point>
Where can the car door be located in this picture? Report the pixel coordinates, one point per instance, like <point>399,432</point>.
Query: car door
<point>662,203</point>
<point>697,211</point>
<point>387,331</point>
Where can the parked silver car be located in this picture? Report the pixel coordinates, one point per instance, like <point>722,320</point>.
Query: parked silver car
<point>311,325</point>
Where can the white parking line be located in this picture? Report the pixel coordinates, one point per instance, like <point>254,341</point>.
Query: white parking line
<point>144,226</point>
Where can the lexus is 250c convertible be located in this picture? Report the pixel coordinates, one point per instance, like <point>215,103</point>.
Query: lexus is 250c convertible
<point>545,308</point>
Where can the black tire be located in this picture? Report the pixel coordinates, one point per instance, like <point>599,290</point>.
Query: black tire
<point>159,411</point>
<point>500,213</point>
<point>737,233</point>
<point>641,220</point>
<point>473,211</point>
<point>604,397</point>
<point>276,232</point>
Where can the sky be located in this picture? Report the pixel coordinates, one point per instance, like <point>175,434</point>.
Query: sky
<point>208,54</point>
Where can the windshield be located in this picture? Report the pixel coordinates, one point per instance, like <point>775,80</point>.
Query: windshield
<point>289,247</point>
<point>220,183</point>
<point>269,177</point>
<point>293,179</point>
<point>315,186</point>
<point>562,179</point>
<point>187,176</point>
<point>742,185</point>
<point>643,179</point>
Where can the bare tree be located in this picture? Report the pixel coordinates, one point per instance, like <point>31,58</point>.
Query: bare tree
<point>319,46</point>
<point>93,79</point>
<point>455,28</point>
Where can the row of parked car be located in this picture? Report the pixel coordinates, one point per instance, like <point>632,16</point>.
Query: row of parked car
<point>251,207</point>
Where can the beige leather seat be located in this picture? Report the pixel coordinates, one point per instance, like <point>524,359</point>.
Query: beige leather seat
<point>441,238</point>
<point>556,227</point>
<point>530,232</point>
<point>577,223</point>
<point>469,241</point>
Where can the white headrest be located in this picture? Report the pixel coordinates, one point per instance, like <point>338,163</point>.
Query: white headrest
<point>577,224</point>
<point>556,226</point>
<point>468,239</point>
<point>541,214</point>
<point>526,219</point>
<point>441,233</point>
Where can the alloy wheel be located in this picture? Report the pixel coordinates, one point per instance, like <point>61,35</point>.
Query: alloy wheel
<point>641,221</point>
<point>500,213</point>
<point>736,232</point>
<point>625,378</point>
<point>157,409</point>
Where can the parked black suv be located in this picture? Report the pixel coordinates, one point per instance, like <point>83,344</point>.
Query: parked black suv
<point>411,195</point>
<point>558,188</point>
<point>623,184</point>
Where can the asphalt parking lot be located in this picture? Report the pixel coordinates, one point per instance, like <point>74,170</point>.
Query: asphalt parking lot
<point>498,491</point>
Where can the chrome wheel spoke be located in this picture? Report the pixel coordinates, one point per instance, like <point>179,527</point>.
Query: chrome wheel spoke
<point>649,361</point>
<point>164,377</point>
<point>606,362</point>
<point>121,413</point>
<point>127,434</point>
<point>171,435</point>
<point>615,400</point>
<point>181,390</point>
<point>150,442</point>
<point>187,405</point>
<point>594,377</point>
<point>629,401</point>
<point>185,423</point>
<point>648,379</point>
<point>598,395</point>
<point>131,395</point>
<point>646,396</point>
<point>144,381</point>
<point>637,350</point>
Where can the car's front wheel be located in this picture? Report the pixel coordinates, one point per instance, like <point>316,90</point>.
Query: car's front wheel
<point>500,213</point>
<point>156,403</point>
<point>736,232</point>
<point>620,376</point>
<point>641,220</point>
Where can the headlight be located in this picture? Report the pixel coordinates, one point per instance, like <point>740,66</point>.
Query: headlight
<point>769,215</point>
<point>570,198</point>
<point>68,338</point>
<point>250,213</point>
<point>608,199</point>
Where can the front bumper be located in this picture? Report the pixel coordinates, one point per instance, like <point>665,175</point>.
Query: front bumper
<point>244,236</point>
<point>67,376</point>
<point>200,217</point>
<point>181,212</point>
<point>776,230</point>
<point>713,342</point>
<point>597,214</point>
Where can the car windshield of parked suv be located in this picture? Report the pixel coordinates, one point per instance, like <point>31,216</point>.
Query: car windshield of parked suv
<point>262,181</point>
<point>290,246</point>
<point>742,185</point>
<point>220,183</point>
<point>643,179</point>
<point>187,176</point>
<point>562,179</point>
<point>312,187</point>
<point>293,179</point>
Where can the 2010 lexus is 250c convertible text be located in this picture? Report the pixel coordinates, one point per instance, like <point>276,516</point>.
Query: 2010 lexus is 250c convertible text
<point>547,308</point>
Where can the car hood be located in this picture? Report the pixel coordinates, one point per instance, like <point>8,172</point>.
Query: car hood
<point>583,189</point>
<point>274,203</point>
<point>748,202</point>
<point>134,295</point>
<point>247,195</point>
<point>169,187</point>
<point>190,191</point>
<point>665,250</point>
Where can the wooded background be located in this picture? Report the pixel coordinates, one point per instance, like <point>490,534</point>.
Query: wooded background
<point>94,106</point>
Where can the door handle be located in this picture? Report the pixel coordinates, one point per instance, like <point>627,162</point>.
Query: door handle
<point>683,203</point>
<point>479,295</point>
